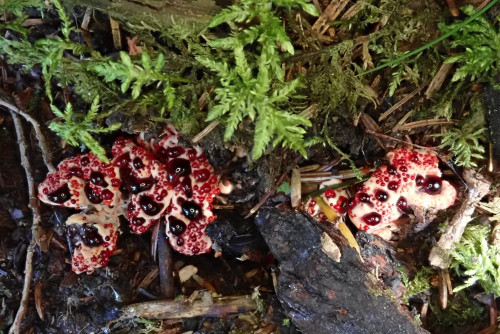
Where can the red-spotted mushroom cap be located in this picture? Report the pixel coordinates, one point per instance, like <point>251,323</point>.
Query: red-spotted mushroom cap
<point>412,179</point>
<point>194,187</point>
<point>145,180</point>
<point>93,237</point>
<point>336,199</point>
<point>80,182</point>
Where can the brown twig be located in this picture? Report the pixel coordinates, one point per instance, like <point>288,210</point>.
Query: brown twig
<point>165,265</point>
<point>38,132</point>
<point>33,204</point>
<point>399,104</point>
<point>399,140</point>
<point>426,122</point>
<point>205,131</point>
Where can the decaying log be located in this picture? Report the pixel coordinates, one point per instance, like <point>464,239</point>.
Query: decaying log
<point>205,305</point>
<point>478,188</point>
<point>321,295</point>
<point>154,13</point>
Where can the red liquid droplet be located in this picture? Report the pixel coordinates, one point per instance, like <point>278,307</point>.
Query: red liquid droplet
<point>75,171</point>
<point>433,185</point>
<point>364,197</point>
<point>176,226</point>
<point>419,180</point>
<point>372,219</point>
<point>391,169</point>
<point>137,163</point>
<point>138,221</point>
<point>381,195</point>
<point>177,168</point>
<point>393,185</point>
<point>402,204</point>
<point>122,160</point>
<point>92,197</point>
<point>60,195</point>
<point>90,236</point>
<point>149,206</point>
<point>201,175</point>
<point>191,210</point>
<point>97,178</point>
<point>107,195</point>
<point>84,161</point>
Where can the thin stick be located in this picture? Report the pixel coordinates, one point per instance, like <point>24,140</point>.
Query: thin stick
<point>33,204</point>
<point>38,132</point>
<point>431,148</point>
<point>427,122</point>
<point>165,265</point>
<point>205,131</point>
<point>399,104</point>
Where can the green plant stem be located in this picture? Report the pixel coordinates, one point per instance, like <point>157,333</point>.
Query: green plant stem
<point>432,43</point>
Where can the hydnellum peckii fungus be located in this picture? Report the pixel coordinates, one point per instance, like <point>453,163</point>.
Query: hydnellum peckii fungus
<point>147,183</point>
<point>412,179</point>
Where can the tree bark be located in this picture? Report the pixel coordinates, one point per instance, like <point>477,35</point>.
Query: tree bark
<point>321,295</point>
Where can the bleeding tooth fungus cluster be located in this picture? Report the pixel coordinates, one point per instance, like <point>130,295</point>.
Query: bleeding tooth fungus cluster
<point>144,182</point>
<point>412,179</point>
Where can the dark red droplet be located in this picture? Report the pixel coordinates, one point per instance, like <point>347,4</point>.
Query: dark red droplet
<point>186,187</point>
<point>75,171</point>
<point>84,161</point>
<point>115,182</point>
<point>176,226</point>
<point>391,169</point>
<point>201,175</point>
<point>92,197</point>
<point>122,160</point>
<point>137,163</point>
<point>174,152</point>
<point>60,195</point>
<point>180,242</point>
<point>107,195</point>
<point>97,178</point>
<point>419,180</point>
<point>364,197</point>
<point>149,206</point>
<point>351,203</point>
<point>432,185</point>
<point>372,219</point>
<point>140,185</point>
<point>381,195</point>
<point>414,157</point>
<point>177,168</point>
<point>90,236</point>
<point>195,250</point>
<point>191,210</point>
<point>402,204</point>
<point>404,169</point>
<point>138,221</point>
<point>393,185</point>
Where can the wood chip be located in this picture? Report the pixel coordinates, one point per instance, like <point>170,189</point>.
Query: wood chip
<point>443,290</point>
<point>212,125</point>
<point>353,10</point>
<point>146,281</point>
<point>371,125</point>
<point>37,293</point>
<point>452,5</point>
<point>438,80</point>
<point>309,168</point>
<point>295,186</point>
<point>115,30</point>
<point>330,248</point>
<point>187,272</point>
<point>329,15</point>
<point>86,18</point>
<point>181,308</point>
